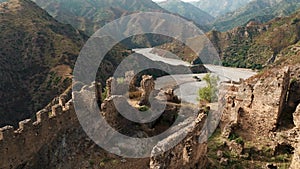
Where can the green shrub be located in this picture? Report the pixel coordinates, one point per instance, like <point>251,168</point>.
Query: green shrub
<point>209,93</point>
<point>239,140</point>
<point>294,80</point>
<point>295,21</point>
<point>104,94</point>
<point>233,136</point>
<point>143,108</point>
<point>120,80</point>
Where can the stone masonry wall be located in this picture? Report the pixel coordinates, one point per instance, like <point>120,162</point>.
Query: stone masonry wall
<point>255,106</point>
<point>296,158</point>
<point>18,146</point>
<point>189,153</point>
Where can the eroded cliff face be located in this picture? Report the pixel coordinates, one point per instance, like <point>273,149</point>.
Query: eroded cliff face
<point>263,111</point>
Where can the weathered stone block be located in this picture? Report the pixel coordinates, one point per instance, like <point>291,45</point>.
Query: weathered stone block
<point>6,132</point>
<point>25,125</point>
<point>42,115</point>
<point>57,110</point>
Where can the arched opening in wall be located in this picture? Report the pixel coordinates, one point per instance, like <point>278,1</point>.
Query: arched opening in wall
<point>286,119</point>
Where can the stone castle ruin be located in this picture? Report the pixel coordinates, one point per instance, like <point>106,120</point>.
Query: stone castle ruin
<point>264,110</point>
<point>31,143</point>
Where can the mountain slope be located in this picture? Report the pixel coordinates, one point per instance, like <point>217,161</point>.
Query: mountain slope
<point>90,15</point>
<point>188,11</point>
<point>37,57</point>
<point>219,7</point>
<point>258,10</point>
<point>254,45</point>
<point>257,45</point>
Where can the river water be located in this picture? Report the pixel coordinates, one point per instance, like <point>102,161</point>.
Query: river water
<point>187,86</point>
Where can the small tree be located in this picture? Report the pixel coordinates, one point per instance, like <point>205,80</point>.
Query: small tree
<point>104,94</point>
<point>209,93</point>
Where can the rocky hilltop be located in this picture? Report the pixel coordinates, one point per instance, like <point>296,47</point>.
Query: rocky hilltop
<point>259,127</point>
<point>260,123</point>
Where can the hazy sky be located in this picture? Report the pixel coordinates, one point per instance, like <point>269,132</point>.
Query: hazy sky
<point>182,0</point>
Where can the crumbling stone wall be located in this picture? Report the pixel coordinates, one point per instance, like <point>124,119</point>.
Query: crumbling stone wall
<point>18,146</point>
<point>147,86</point>
<point>21,146</point>
<point>131,80</point>
<point>296,158</point>
<point>259,110</point>
<point>256,105</point>
<point>189,153</point>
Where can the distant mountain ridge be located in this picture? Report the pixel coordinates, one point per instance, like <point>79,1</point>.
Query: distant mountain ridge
<point>254,45</point>
<point>188,11</point>
<point>90,15</point>
<point>258,10</point>
<point>219,7</point>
